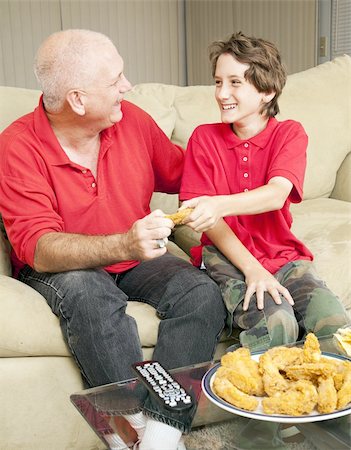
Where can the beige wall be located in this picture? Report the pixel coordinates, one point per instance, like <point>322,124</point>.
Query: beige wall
<point>290,24</point>
<point>160,40</point>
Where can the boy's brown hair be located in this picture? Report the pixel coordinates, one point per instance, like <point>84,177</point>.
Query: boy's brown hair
<point>266,71</point>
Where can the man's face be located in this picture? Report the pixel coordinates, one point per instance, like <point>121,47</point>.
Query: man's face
<point>107,90</point>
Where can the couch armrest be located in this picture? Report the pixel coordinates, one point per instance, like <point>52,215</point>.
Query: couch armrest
<point>342,188</point>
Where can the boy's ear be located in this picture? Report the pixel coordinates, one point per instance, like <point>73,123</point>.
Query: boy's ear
<point>76,100</point>
<point>268,96</point>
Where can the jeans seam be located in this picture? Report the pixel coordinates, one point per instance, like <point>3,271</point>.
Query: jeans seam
<point>51,286</point>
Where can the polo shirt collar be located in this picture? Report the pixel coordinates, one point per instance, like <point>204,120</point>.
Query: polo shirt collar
<point>260,140</point>
<point>55,155</point>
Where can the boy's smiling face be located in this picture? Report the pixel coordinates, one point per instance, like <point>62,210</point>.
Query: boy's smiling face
<point>238,100</point>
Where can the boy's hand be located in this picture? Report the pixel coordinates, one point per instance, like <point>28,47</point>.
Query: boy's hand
<point>206,212</point>
<point>260,281</point>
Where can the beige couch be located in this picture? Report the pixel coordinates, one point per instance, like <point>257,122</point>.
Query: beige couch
<point>37,374</point>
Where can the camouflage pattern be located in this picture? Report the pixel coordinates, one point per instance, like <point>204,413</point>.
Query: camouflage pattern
<point>316,308</point>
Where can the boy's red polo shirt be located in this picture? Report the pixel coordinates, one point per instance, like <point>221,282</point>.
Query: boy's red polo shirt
<point>219,163</point>
<point>42,191</point>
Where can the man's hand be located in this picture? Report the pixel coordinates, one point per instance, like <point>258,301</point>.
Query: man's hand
<point>259,281</point>
<point>144,240</point>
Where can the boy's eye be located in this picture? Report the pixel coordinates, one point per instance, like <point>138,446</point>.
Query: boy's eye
<point>235,82</point>
<point>217,82</point>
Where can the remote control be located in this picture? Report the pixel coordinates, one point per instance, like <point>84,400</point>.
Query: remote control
<point>163,386</point>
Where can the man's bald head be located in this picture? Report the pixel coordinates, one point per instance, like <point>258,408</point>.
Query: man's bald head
<point>69,59</point>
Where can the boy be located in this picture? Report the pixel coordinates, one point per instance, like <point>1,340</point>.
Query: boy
<point>241,176</point>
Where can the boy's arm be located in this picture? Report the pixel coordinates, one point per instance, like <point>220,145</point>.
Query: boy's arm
<point>257,278</point>
<point>208,210</point>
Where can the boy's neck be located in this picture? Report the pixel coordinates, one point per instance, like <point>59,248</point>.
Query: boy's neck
<point>247,131</point>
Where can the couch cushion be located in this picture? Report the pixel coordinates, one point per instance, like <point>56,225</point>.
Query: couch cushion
<point>320,99</point>
<point>16,102</point>
<point>29,328</point>
<point>156,99</point>
<point>324,226</point>
<point>195,105</point>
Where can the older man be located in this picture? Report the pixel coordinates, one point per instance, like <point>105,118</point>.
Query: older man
<point>78,174</point>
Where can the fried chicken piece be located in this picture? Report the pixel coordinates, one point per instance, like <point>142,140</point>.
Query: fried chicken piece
<point>310,371</point>
<point>273,380</point>
<point>311,349</point>
<point>283,357</point>
<point>179,216</point>
<point>340,370</point>
<point>226,390</point>
<point>242,371</point>
<point>327,395</point>
<point>344,394</point>
<point>300,399</point>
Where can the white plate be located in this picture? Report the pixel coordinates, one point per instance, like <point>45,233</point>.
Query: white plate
<point>258,414</point>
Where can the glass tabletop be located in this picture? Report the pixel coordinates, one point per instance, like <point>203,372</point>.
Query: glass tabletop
<point>101,407</point>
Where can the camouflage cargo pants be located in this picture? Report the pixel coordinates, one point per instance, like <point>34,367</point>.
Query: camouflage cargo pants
<point>316,308</point>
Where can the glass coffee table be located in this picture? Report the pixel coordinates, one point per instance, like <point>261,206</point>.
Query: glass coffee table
<point>101,408</point>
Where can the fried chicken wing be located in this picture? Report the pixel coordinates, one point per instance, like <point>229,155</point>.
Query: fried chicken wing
<point>283,357</point>
<point>327,395</point>
<point>243,371</point>
<point>179,216</point>
<point>226,390</point>
<point>310,371</point>
<point>344,394</point>
<point>273,381</point>
<point>311,349</point>
<point>300,399</point>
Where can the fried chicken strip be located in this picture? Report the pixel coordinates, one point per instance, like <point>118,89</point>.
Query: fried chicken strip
<point>327,396</point>
<point>243,372</point>
<point>226,390</point>
<point>344,394</point>
<point>300,399</point>
<point>311,349</point>
<point>179,216</point>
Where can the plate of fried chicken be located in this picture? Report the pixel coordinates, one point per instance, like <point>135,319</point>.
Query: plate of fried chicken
<point>283,384</point>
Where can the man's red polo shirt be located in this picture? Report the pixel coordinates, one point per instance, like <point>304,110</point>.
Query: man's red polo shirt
<point>42,191</point>
<point>219,163</point>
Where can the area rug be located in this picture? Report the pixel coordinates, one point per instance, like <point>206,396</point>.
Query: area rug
<point>241,435</point>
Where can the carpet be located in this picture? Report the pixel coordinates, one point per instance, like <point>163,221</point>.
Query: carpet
<point>252,435</point>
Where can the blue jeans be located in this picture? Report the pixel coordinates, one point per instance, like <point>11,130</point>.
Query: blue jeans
<point>104,340</point>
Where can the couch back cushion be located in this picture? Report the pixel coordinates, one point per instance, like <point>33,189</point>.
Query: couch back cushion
<point>16,102</point>
<point>319,98</point>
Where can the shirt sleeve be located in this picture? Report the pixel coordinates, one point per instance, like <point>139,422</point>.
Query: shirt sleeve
<point>197,176</point>
<point>289,160</point>
<point>28,204</point>
<point>167,159</point>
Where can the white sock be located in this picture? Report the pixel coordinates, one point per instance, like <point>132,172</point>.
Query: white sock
<point>159,436</point>
<point>115,442</point>
<point>138,422</point>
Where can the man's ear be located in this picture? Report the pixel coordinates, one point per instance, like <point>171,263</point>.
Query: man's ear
<point>76,100</point>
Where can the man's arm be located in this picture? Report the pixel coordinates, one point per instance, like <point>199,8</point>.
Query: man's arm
<point>208,210</point>
<point>257,278</point>
<point>59,252</point>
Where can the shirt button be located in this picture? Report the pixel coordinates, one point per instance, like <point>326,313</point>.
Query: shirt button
<point>93,185</point>
<point>245,158</point>
<point>246,175</point>
<point>246,190</point>
<point>84,171</point>
<point>246,145</point>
